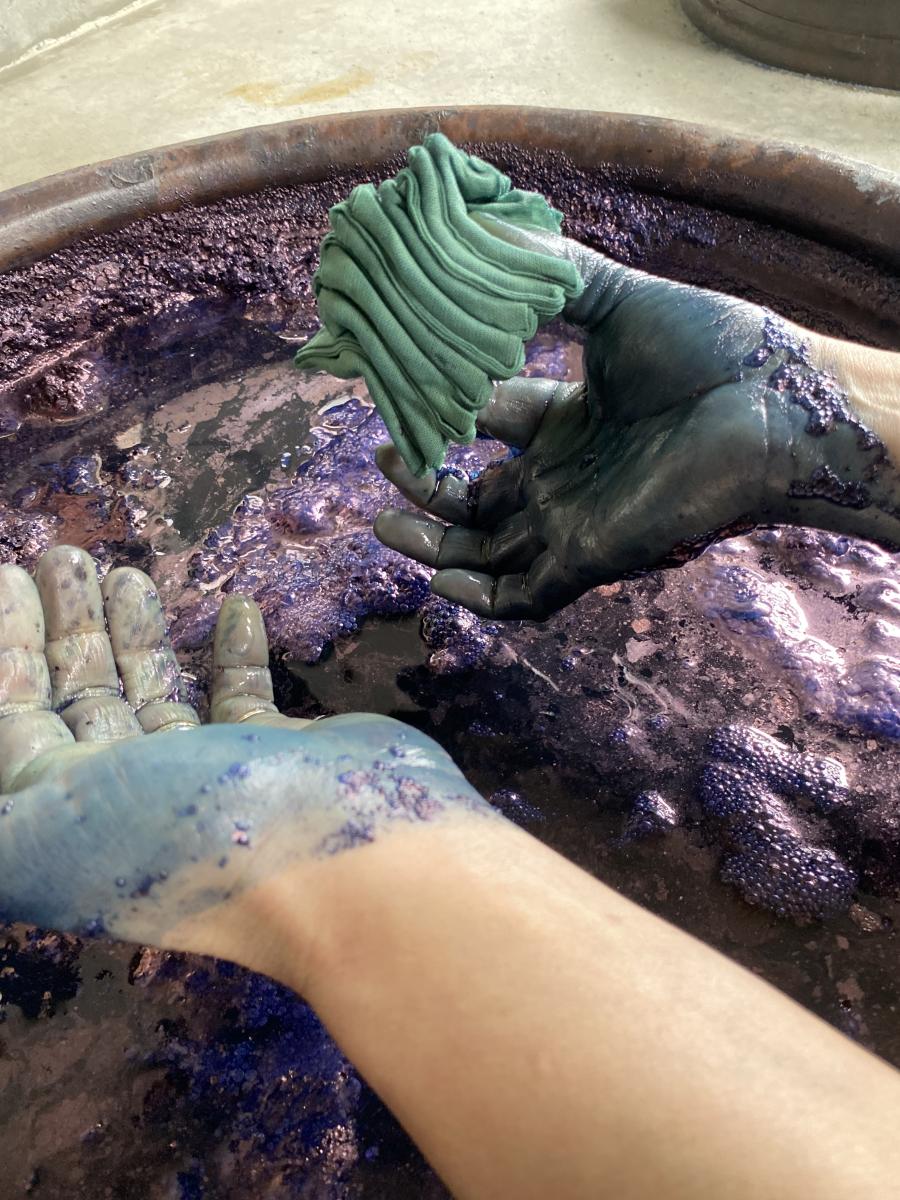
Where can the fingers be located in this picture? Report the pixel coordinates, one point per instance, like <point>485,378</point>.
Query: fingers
<point>24,681</point>
<point>495,495</point>
<point>28,730</point>
<point>143,654</point>
<point>447,497</point>
<point>517,407</point>
<point>513,415</point>
<point>604,278</point>
<point>512,546</point>
<point>83,677</point>
<point>241,684</point>
<point>534,594</point>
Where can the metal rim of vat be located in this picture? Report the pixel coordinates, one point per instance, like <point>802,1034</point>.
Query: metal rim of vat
<point>850,42</point>
<point>842,202</point>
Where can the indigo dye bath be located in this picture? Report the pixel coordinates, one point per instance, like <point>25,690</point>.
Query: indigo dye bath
<point>719,742</point>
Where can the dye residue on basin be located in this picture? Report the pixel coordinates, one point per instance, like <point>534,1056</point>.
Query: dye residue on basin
<point>154,418</point>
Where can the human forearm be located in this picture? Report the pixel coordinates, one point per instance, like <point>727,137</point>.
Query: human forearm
<point>835,439</point>
<point>871,379</point>
<point>540,1035</point>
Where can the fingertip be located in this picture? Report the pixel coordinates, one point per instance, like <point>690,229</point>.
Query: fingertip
<point>390,463</point>
<point>240,637</point>
<point>417,488</point>
<point>412,534</point>
<point>69,588</point>
<point>21,611</point>
<point>516,409</point>
<point>240,601</point>
<point>470,589</point>
<point>127,584</point>
<point>63,558</point>
<point>383,523</point>
<point>385,455</point>
<point>12,575</point>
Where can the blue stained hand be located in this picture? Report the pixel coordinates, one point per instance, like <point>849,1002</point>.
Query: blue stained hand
<point>121,813</point>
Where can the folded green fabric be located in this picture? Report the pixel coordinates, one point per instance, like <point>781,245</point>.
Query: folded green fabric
<point>426,305</point>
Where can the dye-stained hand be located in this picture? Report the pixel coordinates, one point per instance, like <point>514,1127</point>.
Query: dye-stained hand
<point>700,416</point>
<point>120,813</point>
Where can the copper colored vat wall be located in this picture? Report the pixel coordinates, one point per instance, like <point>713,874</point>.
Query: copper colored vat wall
<point>843,202</point>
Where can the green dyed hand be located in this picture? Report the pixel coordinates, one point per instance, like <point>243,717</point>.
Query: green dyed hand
<point>678,437</point>
<point>105,827</point>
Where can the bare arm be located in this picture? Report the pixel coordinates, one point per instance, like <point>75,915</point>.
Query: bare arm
<point>871,379</point>
<point>539,1035</point>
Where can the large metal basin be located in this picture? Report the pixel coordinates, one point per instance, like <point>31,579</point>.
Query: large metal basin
<point>148,411</point>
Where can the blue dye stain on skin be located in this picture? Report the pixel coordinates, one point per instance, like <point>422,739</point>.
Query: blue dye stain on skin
<point>817,392</point>
<point>241,837</point>
<point>778,336</point>
<point>350,835</point>
<point>235,771</point>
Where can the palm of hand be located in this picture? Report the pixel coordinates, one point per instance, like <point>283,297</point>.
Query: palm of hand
<point>658,453</point>
<point>121,812</point>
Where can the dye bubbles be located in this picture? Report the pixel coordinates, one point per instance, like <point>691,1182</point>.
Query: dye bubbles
<point>631,731</point>
<point>777,852</point>
<point>634,731</point>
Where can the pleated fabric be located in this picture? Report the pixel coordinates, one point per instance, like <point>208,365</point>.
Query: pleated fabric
<point>424,304</point>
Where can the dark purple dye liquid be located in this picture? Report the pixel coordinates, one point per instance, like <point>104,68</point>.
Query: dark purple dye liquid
<point>684,736</point>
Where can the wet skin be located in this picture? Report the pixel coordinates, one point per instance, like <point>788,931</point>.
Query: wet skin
<point>120,813</point>
<point>700,416</point>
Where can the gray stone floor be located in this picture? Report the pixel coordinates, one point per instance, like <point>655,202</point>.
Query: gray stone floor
<point>169,70</point>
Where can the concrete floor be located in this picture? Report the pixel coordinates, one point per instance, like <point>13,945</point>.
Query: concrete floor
<point>176,69</point>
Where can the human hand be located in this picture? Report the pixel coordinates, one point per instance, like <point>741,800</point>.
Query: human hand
<point>124,815</point>
<point>697,419</point>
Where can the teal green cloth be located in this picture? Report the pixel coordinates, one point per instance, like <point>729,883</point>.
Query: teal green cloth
<point>424,304</point>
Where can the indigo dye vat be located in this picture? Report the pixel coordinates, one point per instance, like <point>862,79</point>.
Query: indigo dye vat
<point>720,741</point>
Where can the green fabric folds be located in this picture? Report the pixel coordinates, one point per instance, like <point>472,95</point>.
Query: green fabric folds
<point>424,304</point>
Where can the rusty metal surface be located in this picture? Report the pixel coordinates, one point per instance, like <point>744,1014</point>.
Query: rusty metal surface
<point>856,41</point>
<point>845,203</point>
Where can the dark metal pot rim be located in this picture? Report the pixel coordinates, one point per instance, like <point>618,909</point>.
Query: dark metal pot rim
<point>852,42</point>
<point>837,200</point>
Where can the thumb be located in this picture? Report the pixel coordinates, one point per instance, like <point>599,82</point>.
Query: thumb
<point>605,280</point>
